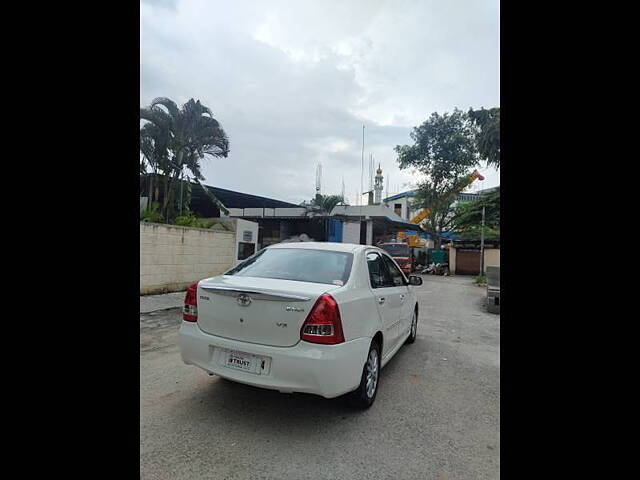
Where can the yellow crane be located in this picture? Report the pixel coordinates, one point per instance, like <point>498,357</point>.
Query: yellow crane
<point>414,240</point>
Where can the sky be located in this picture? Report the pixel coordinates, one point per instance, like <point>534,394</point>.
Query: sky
<point>293,82</point>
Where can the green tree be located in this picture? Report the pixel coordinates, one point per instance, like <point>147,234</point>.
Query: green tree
<point>467,222</point>
<point>488,134</point>
<point>188,135</point>
<point>444,151</point>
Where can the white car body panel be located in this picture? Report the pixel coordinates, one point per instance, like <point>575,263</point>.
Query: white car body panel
<point>295,365</point>
<point>219,314</point>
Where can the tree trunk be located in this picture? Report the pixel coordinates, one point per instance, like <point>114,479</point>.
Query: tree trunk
<point>171,205</point>
<point>172,197</point>
<point>165,200</point>
<point>157,195</point>
<point>437,241</point>
<point>435,231</point>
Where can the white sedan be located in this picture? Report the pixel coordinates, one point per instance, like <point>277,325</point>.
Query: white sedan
<point>311,317</point>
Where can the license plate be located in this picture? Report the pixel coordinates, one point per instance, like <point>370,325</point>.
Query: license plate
<point>245,362</point>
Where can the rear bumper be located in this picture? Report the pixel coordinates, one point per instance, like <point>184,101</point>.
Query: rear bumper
<point>326,370</point>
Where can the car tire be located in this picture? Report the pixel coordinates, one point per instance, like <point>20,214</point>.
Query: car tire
<point>414,328</point>
<point>364,396</point>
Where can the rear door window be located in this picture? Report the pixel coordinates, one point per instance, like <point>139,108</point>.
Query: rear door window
<point>378,271</point>
<point>396,275</point>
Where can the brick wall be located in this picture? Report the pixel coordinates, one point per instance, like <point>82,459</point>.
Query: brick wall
<point>172,257</point>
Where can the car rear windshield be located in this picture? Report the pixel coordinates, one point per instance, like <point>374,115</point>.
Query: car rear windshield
<point>396,249</point>
<point>317,266</point>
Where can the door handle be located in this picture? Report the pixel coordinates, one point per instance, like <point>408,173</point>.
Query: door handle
<point>381,300</point>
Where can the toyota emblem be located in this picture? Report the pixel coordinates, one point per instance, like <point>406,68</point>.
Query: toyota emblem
<point>243,300</point>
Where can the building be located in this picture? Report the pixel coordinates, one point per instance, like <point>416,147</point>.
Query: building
<point>200,203</point>
<point>400,204</point>
<point>368,224</point>
<point>276,219</point>
<point>464,256</point>
<point>279,221</point>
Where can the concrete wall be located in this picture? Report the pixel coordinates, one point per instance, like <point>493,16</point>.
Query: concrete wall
<point>369,239</point>
<point>267,212</point>
<point>491,257</point>
<point>233,212</point>
<point>351,232</point>
<point>241,227</point>
<point>253,212</point>
<point>290,212</point>
<point>250,229</point>
<point>407,212</point>
<point>452,261</point>
<point>172,257</point>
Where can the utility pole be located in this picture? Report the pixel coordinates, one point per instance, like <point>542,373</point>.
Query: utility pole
<point>362,186</point>
<point>362,175</point>
<point>362,164</point>
<point>387,194</point>
<point>482,245</point>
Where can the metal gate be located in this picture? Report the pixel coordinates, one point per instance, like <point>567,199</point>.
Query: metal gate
<point>335,231</point>
<point>467,261</point>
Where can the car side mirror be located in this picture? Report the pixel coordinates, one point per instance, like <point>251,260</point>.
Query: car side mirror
<point>415,280</point>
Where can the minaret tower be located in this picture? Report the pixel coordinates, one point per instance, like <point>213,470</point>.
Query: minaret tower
<point>378,187</point>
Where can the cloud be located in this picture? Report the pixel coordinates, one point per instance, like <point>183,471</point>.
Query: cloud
<point>292,83</point>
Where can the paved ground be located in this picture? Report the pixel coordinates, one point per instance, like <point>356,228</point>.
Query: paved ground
<point>152,303</point>
<point>437,414</point>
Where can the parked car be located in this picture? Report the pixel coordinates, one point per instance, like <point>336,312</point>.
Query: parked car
<point>320,318</point>
<point>402,254</point>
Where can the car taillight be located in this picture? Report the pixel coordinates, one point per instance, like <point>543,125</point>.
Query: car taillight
<point>190,309</point>
<point>323,325</point>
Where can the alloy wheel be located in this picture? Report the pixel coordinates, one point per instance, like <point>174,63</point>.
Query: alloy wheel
<point>372,373</point>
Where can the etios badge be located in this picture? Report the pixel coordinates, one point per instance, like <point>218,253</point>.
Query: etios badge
<point>243,300</point>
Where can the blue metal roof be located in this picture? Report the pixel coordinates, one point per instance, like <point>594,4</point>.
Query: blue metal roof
<point>447,235</point>
<point>410,193</point>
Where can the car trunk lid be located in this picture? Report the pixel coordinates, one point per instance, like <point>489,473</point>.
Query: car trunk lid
<point>257,310</point>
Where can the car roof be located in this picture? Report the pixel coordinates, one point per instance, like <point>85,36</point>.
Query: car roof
<point>330,246</point>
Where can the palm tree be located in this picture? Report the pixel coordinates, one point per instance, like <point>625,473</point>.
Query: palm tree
<point>188,135</point>
<point>324,204</point>
<point>153,146</point>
